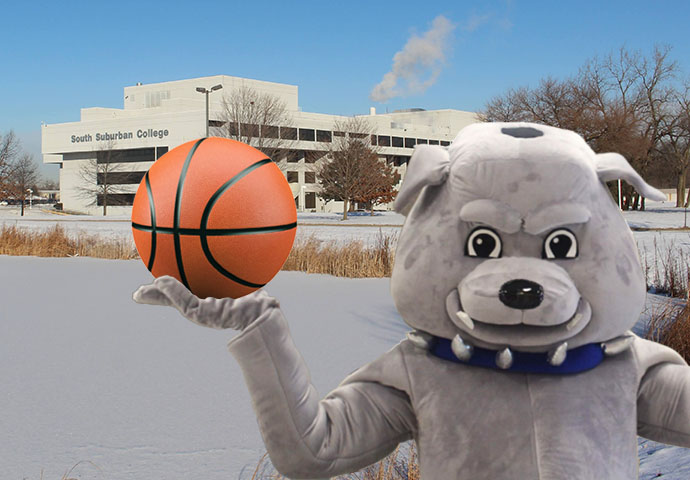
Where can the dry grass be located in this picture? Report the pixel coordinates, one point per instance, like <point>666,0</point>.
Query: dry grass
<point>353,259</point>
<point>400,465</point>
<point>667,268</point>
<point>670,326</point>
<point>55,242</point>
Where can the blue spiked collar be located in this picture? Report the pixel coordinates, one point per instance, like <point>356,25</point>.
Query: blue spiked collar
<point>579,359</point>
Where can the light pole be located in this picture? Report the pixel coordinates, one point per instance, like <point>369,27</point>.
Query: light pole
<point>301,200</point>
<point>31,192</point>
<point>206,91</point>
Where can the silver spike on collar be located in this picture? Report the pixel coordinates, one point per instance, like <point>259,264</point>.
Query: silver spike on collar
<point>557,356</point>
<point>420,339</point>
<point>461,349</point>
<point>504,359</point>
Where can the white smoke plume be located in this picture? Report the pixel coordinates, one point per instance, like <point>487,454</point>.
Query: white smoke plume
<point>417,66</point>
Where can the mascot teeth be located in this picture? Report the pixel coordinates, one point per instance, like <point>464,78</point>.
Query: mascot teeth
<point>557,356</point>
<point>617,345</point>
<point>504,359</point>
<point>465,319</point>
<point>573,323</point>
<point>461,350</point>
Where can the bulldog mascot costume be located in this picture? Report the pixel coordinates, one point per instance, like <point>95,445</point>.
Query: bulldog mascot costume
<point>520,280</point>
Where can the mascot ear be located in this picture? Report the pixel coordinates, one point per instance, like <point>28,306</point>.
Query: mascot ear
<point>613,166</point>
<point>429,165</point>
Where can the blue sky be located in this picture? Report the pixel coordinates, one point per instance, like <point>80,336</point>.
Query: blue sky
<point>58,57</point>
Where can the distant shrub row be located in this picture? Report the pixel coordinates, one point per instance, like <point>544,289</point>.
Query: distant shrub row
<point>351,259</point>
<point>55,242</point>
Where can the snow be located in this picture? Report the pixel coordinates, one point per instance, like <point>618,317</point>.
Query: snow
<point>89,378</point>
<point>88,375</point>
<point>322,226</point>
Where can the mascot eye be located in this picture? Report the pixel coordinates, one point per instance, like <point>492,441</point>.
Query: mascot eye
<point>484,243</point>
<point>560,243</point>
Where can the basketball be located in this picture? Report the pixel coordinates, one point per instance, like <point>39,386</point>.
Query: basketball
<point>216,214</point>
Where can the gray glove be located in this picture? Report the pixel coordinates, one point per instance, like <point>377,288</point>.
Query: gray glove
<point>209,312</point>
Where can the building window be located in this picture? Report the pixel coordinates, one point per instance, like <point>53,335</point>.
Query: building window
<point>119,178</point>
<point>293,156</point>
<point>397,141</point>
<point>399,160</point>
<point>128,155</point>
<point>384,141</point>
<point>160,151</point>
<point>310,200</point>
<point>309,177</point>
<point>444,143</point>
<point>409,142</point>
<point>288,133</point>
<point>269,131</point>
<point>153,99</point>
<point>231,129</point>
<point>323,136</point>
<point>422,141</point>
<point>216,123</point>
<point>313,157</point>
<point>338,134</point>
<point>307,134</point>
<point>293,177</point>
<point>249,130</point>
<point>373,140</point>
<point>433,142</point>
<point>357,135</point>
<point>126,199</point>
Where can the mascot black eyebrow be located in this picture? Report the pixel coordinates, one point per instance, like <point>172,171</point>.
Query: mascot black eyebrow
<point>521,281</point>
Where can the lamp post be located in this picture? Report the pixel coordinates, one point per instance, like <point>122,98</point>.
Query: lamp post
<point>31,192</point>
<point>301,200</point>
<point>206,91</point>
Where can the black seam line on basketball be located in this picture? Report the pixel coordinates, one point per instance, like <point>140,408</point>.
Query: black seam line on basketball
<point>152,210</point>
<point>207,213</point>
<point>216,232</point>
<point>178,203</point>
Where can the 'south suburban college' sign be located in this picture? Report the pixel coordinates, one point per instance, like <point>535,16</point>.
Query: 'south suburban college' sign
<point>120,135</point>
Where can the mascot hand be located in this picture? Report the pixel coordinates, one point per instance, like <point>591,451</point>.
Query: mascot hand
<point>209,312</point>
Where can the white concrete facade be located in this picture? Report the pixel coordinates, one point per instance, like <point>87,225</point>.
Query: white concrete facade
<point>157,117</point>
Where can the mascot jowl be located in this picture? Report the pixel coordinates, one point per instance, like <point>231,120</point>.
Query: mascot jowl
<point>520,280</point>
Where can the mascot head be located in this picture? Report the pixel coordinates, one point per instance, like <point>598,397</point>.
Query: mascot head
<point>512,240</point>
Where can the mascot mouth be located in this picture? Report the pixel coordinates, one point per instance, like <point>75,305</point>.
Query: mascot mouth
<point>529,337</point>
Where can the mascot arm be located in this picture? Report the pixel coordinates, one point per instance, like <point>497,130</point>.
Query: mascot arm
<point>663,401</point>
<point>357,424</point>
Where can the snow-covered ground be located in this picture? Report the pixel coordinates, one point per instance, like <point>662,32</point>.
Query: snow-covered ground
<point>88,375</point>
<point>322,226</point>
<point>132,391</point>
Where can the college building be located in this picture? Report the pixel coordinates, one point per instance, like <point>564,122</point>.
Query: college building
<point>160,116</point>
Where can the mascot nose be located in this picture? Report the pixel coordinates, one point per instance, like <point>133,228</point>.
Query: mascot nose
<point>521,294</point>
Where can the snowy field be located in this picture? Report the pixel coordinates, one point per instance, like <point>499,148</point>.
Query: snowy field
<point>88,375</point>
<point>137,392</point>
<point>324,227</point>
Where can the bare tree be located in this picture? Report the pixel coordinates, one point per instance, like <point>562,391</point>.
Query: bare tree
<point>23,175</point>
<point>9,149</point>
<point>102,178</point>
<point>675,148</point>
<point>353,170</point>
<point>258,119</point>
<point>617,103</point>
<point>379,187</point>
